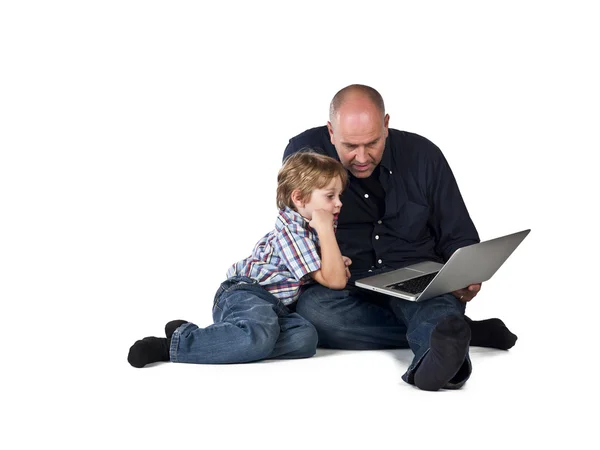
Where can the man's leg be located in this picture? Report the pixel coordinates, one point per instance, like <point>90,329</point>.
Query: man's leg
<point>439,337</point>
<point>351,319</point>
<point>491,333</point>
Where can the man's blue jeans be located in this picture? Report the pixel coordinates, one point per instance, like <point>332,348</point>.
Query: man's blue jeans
<point>250,324</point>
<point>356,319</point>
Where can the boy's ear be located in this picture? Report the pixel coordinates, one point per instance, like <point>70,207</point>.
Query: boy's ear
<point>297,198</point>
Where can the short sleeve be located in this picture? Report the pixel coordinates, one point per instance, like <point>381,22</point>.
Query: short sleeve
<point>297,248</point>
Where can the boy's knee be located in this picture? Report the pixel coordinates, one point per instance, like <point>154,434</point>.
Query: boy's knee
<point>259,340</point>
<point>305,342</point>
<point>260,349</point>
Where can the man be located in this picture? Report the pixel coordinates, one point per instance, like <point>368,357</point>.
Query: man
<point>402,206</point>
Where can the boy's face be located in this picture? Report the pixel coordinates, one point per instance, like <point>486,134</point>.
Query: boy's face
<point>327,198</point>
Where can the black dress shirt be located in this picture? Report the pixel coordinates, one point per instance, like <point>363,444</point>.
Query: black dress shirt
<point>409,210</point>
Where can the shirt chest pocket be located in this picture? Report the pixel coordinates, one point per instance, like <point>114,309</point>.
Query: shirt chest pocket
<point>411,221</point>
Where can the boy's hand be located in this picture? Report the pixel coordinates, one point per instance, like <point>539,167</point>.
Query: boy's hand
<point>321,220</point>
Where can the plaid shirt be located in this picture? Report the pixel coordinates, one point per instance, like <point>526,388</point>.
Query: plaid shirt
<point>283,258</point>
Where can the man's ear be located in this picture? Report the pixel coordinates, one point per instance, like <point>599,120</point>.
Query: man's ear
<point>330,129</point>
<point>386,123</point>
<point>297,199</point>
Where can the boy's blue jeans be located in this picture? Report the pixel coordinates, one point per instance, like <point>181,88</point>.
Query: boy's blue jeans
<point>250,324</point>
<point>357,319</point>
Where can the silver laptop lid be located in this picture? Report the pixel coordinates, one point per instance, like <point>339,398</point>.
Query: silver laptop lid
<point>473,264</point>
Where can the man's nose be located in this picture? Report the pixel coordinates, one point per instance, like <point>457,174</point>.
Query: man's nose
<point>361,154</point>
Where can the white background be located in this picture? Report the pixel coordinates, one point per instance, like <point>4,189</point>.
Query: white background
<point>140,143</point>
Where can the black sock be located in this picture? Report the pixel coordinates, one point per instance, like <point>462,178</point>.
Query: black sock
<point>149,350</point>
<point>172,326</point>
<point>490,333</point>
<point>447,352</point>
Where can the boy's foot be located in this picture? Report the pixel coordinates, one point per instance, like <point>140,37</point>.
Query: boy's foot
<point>172,326</point>
<point>447,352</point>
<point>491,333</point>
<point>148,350</point>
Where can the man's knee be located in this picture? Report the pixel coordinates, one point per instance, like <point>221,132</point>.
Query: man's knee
<point>444,306</point>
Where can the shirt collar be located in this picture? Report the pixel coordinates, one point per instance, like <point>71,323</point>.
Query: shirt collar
<point>288,216</point>
<point>386,159</point>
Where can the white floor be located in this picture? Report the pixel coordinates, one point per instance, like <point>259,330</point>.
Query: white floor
<point>337,399</point>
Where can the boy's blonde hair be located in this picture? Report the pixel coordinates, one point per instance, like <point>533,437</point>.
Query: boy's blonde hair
<point>306,171</point>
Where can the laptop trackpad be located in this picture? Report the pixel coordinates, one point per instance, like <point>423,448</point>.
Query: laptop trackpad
<point>406,273</point>
<point>424,267</point>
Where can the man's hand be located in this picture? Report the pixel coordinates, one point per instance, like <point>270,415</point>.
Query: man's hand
<point>347,262</point>
<point>467,294</point>
<point>321,220</point>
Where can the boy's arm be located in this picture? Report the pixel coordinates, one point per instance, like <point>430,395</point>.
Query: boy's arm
<point>332,273</point>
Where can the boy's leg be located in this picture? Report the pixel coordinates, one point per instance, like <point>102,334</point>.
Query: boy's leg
<point>351,319</point>
<point>439,337</point>
<point>246,329</point>
<point>297,338</point>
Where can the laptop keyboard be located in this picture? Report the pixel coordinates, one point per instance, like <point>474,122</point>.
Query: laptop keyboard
<point>414,285</point>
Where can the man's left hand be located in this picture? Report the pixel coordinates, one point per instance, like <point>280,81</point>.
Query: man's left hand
<point>467,294</point>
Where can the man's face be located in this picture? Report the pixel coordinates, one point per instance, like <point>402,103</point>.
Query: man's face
<point>359,138</point>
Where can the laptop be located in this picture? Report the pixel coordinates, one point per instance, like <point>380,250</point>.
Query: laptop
<point>468,265</point>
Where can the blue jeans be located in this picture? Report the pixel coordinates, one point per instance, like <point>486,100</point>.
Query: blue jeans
<point>356,319</point>
<point>250,324</point>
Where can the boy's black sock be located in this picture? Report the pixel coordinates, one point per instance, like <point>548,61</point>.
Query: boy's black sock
<point>172,326</point>
<point>149,350</point>
<point>447,352</point>
<point>491,333</point>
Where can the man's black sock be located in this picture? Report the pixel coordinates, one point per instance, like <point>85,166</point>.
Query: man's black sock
<point>448,349</point>
<point>149,350</point>
<point>172,326</point>
<point>491,333</point>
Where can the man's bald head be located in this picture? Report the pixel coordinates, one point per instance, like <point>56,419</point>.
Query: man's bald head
<point>358,128</point>
<point>354,93</point>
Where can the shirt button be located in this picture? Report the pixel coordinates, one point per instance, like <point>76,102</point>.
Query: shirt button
<point>366,195</point>
<point>390,172</point>
<point>379,261</point>
<point>376,237</point>
<point>379,222</point>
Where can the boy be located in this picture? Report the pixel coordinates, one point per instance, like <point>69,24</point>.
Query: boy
<point>252,320</point>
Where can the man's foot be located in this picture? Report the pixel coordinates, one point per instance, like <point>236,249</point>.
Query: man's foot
<point>491,333</point>
<point>149,350</point>
<point>447,352</point>
<point>172,326</point>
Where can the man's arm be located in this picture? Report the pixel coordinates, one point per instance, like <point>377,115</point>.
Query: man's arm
<point>290,149</point>
<point>316,139</point>
<point>449,219</point>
